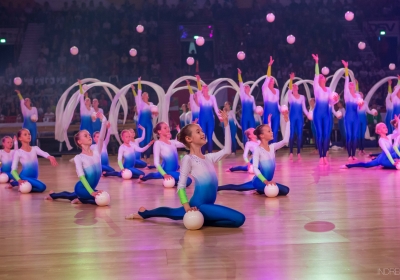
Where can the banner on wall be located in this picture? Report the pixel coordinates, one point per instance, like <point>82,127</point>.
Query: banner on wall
<point>391,27</point>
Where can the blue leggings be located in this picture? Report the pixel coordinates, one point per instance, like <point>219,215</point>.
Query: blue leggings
<point>361,132</point>
<point>381,160</point>
<point>246,122</point>
<point>31,126</point>
<point>107,168</point>
<point>388,118</point>
<point>342,130</point>
<point>135,173</point>
<point>233,130</point>
<point>145,121</point>
<point>240,168</point>
<point>272,108</point>
<point>296,127</point>
<point>157,175</point>
<point>255,184</point>
<point>207,124</point>
<point>322,121</point>
<point>80,192</point>
<point>352,135</point>
<point>139,163</point>
<point>37,186</point>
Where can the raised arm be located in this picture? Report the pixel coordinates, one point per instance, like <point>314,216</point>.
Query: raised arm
<point>246,151</point>
<point>241,85</point>
<point>177,144</point>
<point>108,136</point>
<point>215,106</point>
<point>15,143</point>
<point>285,139</point>
<point>347,94</point>
<point>102,132</point>
<point>316,77</point>
<point>138,97</point>
<point>22,102</point>
<point>228,141</point>
<point>41,152</point>
<point>199,87</point>
<point>303,105</point>
<point>141,138</point>
<point>139,149</point>
<point>81,175</point>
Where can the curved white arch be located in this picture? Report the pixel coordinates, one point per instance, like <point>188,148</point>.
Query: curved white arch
<point>259,80</point>
<point>337,76</point>
<point>376,86</point>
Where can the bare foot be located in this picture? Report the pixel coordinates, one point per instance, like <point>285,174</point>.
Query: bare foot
<point>256,193</point>
<point>298,156</point>
<point>103,173</point>
<point>76,201</point>
<point>326,161</point>
<point>321,161</point>
<point>136,215</point>
<point>350,159</point>
<point>354,158</point>
<point>8,186</point>
<point>343,167</point>
<point>291,156</point>
<point>140,181</point>
<point>229,169</point>
<point>48,197</point>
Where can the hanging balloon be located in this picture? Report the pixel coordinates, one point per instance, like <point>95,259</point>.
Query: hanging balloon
<point>392,66</point>
<point>325,70</point>
<point>132,52</point>
<point>74,50</point>
<point>190,60</point>
<point>241,55</point>
<point>139,28</point>
<point>349,16</point>
<point>270,17</point>
<point>291,39</point>
<point>17,81</point>
<point>361,45</point>
<point>200,41</point>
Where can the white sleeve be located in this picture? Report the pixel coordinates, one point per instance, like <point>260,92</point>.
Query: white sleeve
<point>156,152</point>
<point>346,89</point>
<point>177,144</point>
<point>186,168</point>
<point>241,91</point>
<point>34,109</point>
<point>256,160</point>
<point>79,166</point>
<point>139,149</point>
<point>246,151</point>
<point>384,149</point>
<point>367,109</point>
<point>214,157</point>
<point>15,161</point>
<point>214,102</point>
<point>285,140</point>
<point>138,100</point>
<point>102,133</point>
<point>40,152</point>
<point>107,140</point>
<point>120,153</point>
<point>81,99</point>
<point>141,138</point>
<point>303,105</point>
<point>316,86</point>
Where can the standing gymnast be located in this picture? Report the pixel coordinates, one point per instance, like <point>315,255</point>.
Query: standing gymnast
<point>206,116</point>
<point>387,158</point>
<point>105,164</point>
<point>88,167</point>
<point>168,150</point>
<point>322,115</point>
<point>188,116</point>
<point>351,121</point>
<point>85,110</point>
<point>145,116</point>
<point>362,119</point>
<point>182,117</point>
<point>30,115</point>
<point>389,108</point>
<point>194,103</point>
<point>27,155</point>
<point>6,157</point>
<point>271,102</point>
<point>232,124</point>
<point>96,122</point>
<point>127,152</point>
<point>201,167</point>
<point>263,161</point>
<point>396,98</point>
<point>297,108</point>
<point>248,107</point>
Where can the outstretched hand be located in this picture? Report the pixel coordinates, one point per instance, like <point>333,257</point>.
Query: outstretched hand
<point>269,118</point>
<point>52,160</point>
<point>345,64</point>
<point>133,87</point>
<point>224,117</point>
<point>195,121</point>
<point>315,57</point>
<point>141,127</point>
<point>291,76</point>
<point>239,71</point>
<point>108,125</point>
<point>17,91</point>
<point>390,82</point>
<point>271,61</point>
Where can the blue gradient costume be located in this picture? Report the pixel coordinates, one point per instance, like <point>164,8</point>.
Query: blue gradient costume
<point>105,164</point>
<point>6,160</point>
<point>362,119</point>
<point>96,125</point>
<point>248,109</point>
<point>28,123</point>
<point>194,107</point>
<point>139,163</point>
<point>396,100</point>
<point>86,114</point>
<point>389,110</point>
<point>233,128</point>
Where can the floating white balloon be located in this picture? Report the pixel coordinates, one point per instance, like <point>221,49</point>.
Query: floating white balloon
<point>74,50</point>
<point>139,28</point>
<point>325,71</point>
<point>190,60</point>
<point>349,16</point>
<point>241,55</point>
<point>361,45</point>
<point>270,17</point>
<point>200,41</point>
<point>259,110</point>
<point>374,112</point>
<point>392,66</point>
<point>17,81</point>
<point>291,39</point>
<point>132,52</point>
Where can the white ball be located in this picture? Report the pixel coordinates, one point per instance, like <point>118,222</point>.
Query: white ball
<point>392,66</point>
<point>251,169</point>
<point>360,101</point>
<point>170,183</point>
<point>126,174</point>
<point>374,112</point>
<point>3,178</point>
<point>270,17</point>
<point>241,55</point>
<point>25,187</point>
<point>334,96</point>
<point>139,28</point>
<point>34,118</point>
<point>349,16</point>
<point>193,220</point>
<point>259,110</point>
<point>132,52</point>
<point>310,115</point>
<point>74,50</point>
<point>339,115</point>
<point>190,60</point>
<point>271,190</point>
<point>94,115</point>
<point>154,109</point>
<point>361,45</point>
<point>102,199</point>
<point>200,41</point>
<point>291,39</point>
<point>17,81</point>
<point>325,70</point>
<point>284,108</point>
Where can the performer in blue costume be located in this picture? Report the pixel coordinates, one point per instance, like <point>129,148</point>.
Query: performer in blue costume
<point>248,107</point>
<point>30,115</point>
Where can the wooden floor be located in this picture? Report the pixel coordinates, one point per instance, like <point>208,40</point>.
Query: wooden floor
<point>335,224</point>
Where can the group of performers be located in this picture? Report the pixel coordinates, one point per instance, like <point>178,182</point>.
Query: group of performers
<point>197,126</point>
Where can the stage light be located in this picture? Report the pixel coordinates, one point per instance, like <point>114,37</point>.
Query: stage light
<point>3,41</point>
<point>383,32</point>
<point>195,37</point>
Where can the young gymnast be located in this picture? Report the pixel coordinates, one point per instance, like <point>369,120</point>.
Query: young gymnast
<point>105,164</point>
<point>30,115</point>
<point>27,155</point>
<point>201,167</point>
<point>168,150</point>
<point>88,168</point>
<point>6,157</point>
<point>263,161</point>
